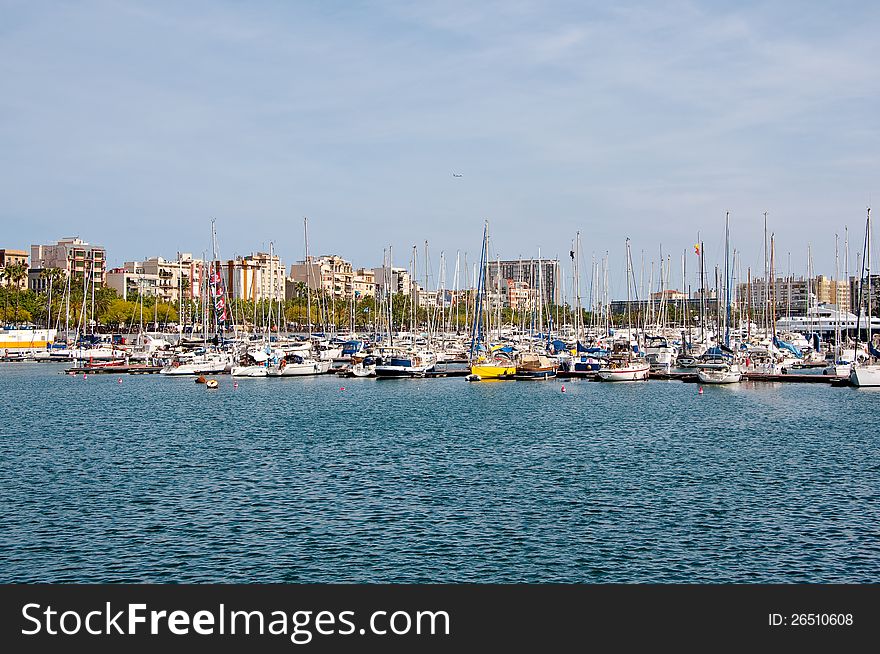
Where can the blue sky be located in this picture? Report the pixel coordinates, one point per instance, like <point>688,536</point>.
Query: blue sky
<point>131,124</point>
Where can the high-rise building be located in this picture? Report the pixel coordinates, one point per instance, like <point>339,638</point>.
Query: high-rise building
<point>536,273</point>
<point>73,256</point>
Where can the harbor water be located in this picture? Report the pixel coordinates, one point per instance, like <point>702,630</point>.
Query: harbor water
<point>319,479</point>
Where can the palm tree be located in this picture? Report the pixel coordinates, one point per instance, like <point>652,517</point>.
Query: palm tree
<point>14,274</point>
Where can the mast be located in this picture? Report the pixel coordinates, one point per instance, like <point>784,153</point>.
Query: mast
<point>749,305</point>
<point>308,279</point>
<point>702,290</point>
<point>868,273</point>
<point>727,278</point>
<point>766,312</point>
<point>773,287</point>
<point>476,327</point>
<point>628,306</point>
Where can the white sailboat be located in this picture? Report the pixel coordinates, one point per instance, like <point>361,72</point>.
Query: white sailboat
<point>868,373</point>
<point>622,365</point>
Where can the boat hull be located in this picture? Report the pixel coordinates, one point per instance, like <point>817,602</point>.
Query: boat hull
<point>214,368</point>
<point>528,375</point>
<point>864,376</point>
<point>623,374</point>
<point>300,369</point>
<point>719,377</point>
<point>249,371</point>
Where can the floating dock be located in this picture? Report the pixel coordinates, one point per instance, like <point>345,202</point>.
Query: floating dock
<point>691,377</point>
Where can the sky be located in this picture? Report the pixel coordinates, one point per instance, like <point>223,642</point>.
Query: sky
<point>133,124</point>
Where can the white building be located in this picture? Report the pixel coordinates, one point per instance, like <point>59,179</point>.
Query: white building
<point>74,256</point>
<point>129,284</point>
<point>258,276</point>
<point>180,277</point>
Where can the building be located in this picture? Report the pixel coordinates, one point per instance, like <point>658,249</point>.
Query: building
<point>832,291</point>
<point>177,278</point>
<point>363,283</point>
<point>875,295</point>
<point>536,273</point>
<point>75,257</point>
<point>519,295</point>
<point>793,296</point>
<point>670,295</point>
<point>131,284</point>
<point>329,273</point>
<point>259,276</point>
<point>394,280</point>
<point>13,258</point>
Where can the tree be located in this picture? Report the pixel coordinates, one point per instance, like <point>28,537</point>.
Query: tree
<point>14,274</point>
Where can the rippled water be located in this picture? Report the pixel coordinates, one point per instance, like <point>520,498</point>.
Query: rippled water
<point>296,480</point>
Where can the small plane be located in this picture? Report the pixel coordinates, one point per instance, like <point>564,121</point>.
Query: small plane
<point>457,175</point>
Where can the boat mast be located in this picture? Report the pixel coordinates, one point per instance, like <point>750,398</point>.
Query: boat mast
<point>478,297</point>
<point>308,279</point>
<point>765,318</point>
<point>628,305</point>
<point>868,273</point>
<point>727,277</point>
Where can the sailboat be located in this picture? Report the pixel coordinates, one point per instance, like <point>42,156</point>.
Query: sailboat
<point>296,359</point>
<point>622,365</point>
<point>487,362</point>
<point>866,374</point>
<point>729,371</point>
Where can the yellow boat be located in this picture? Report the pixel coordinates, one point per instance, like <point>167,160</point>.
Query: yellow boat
<point>489,370</point>
<point>498,366</point>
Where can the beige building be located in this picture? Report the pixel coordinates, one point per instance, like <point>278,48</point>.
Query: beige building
<point>10,258</point>
<point>259,276</point>
<point>175,277</point>
<point>830,291</point>
<point>129,284</point>
<point>329,273</point>
<point>75,257</point>
<point>670,295</point>
<point>363,283</point>
<point>519,295</point>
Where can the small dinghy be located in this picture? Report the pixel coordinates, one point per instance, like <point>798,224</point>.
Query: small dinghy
<point>473,377</point>
<point>212,383</point>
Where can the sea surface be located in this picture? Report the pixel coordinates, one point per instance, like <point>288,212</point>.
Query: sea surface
<point>320,479</point>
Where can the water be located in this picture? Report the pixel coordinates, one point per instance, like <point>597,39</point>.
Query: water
<point>295,480</point>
